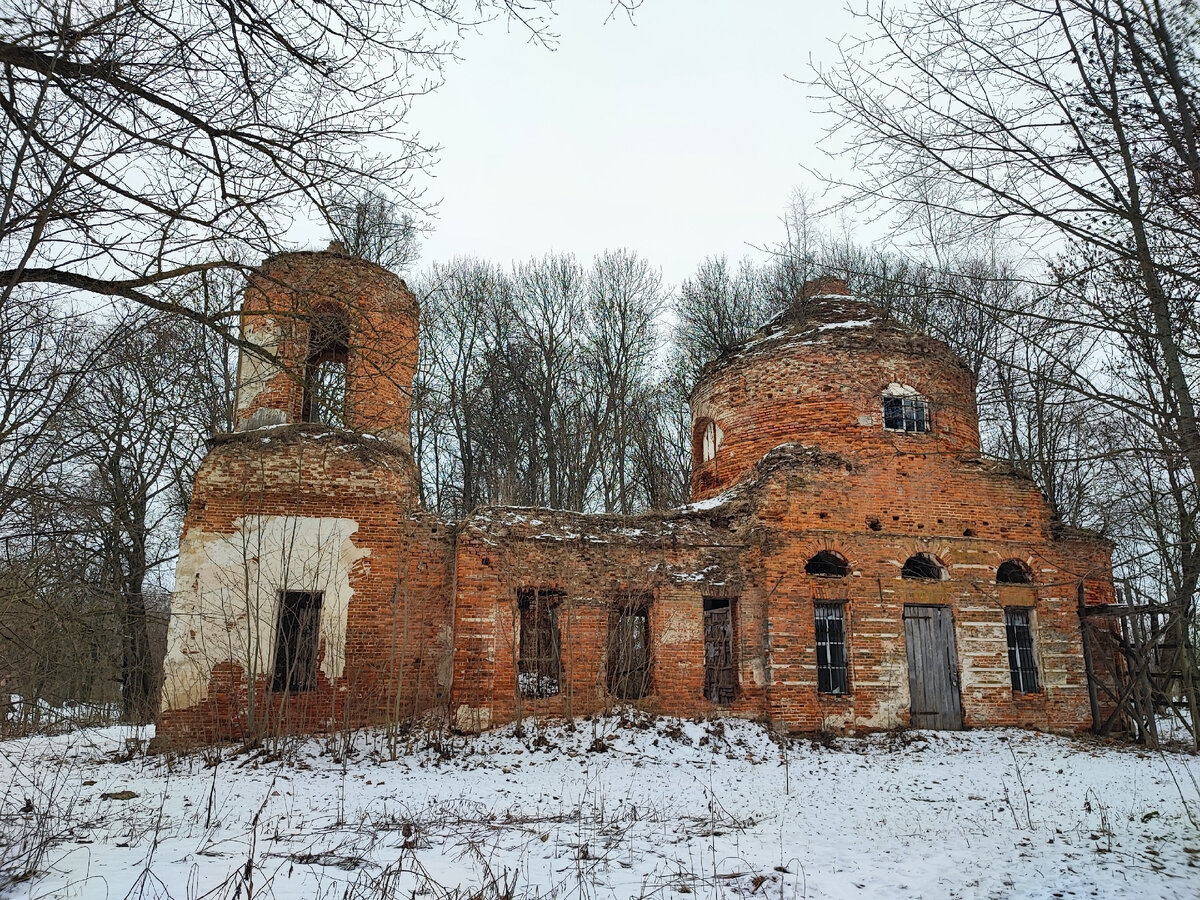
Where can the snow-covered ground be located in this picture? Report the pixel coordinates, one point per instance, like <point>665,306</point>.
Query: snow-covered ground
<point>654,808</point>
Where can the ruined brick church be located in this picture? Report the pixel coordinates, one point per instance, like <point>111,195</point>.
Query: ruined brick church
<point>849,560</point>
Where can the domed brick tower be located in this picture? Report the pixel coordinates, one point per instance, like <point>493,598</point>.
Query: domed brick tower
<point>905,578</point>
<point>310,589</point>
<point>838,375</point>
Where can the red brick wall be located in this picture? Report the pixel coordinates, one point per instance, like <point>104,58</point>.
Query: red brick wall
<point>824,389</point>
<point>875,514</point>
<point>397,633</point>
<point>971,518</point>
<point>284,296</point>
<point>677,559</point>
<point>432,610</point>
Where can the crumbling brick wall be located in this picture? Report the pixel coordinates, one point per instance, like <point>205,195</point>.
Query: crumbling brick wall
<point>876,513</point>
<point>675,560</point>
<point>285,297</point>
<point>298,510</point>
<point>420,614</point>
<point>281,505</point>
<point>819,381</point>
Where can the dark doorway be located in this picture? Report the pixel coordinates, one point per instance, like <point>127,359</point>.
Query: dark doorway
<point>539,656</point>
<point>297,637</point>
<point>932,667</point>
<point>629,648</point>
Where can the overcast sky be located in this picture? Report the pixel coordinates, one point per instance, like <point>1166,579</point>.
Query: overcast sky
<point>678,134</point>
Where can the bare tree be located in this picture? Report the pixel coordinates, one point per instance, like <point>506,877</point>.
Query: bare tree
<point>372,227</point>
<point>625,302</point>
<point>150,140</point>
<point>717,309</point>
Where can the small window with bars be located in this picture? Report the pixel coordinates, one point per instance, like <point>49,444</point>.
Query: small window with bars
<point>907,413</point>
<point>831,649</point>
<point>539,655</point>
<point>1021,665</point>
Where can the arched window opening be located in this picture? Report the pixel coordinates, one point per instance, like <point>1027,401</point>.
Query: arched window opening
<point>1013,571</point>
<point>706,440</point>
<point>827,563</point>
<point>924,565</point>
<point>905,410</point>
<point>325,368</point>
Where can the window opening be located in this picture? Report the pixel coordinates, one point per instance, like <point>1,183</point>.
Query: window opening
<point>297,638</point>
<point>831,649</point>
<point>708,438</point>
<point>1021,665</point>
<point>1013,571</point>
<point>539,663</point>
<point>720,664</point>
<point>827,562</point>
<point>905,410</point>
<point>325,369</point>
<point>923,565</point>
<point>629,648</point>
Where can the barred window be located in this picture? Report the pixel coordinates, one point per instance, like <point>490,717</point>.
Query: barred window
<point>909,413</point>
<point>629,648</point>
<point>1020,650</point>
<point>539,656</point>
<point>831,649</point>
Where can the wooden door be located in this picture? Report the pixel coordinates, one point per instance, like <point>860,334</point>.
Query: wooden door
<point>932,667</point>
<point>720,672</point>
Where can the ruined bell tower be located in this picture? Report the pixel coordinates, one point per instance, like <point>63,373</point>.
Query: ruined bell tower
<point>305,560</point>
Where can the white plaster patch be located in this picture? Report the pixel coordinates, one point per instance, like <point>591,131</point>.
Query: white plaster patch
<point>226,603</point>
<point>682,628</point>
<point>758,671</point>
<point>472,719</point>
<point>253,370</point>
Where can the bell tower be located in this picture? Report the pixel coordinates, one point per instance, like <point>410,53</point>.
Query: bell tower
<point>338,340</point>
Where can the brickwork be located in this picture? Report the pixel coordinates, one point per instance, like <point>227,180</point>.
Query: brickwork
<point>675,559</point>
<point>421,614</point>
<point>876,517</point>
<point>820,381</point>
<point>283,300</point>
<point>393,639</point>
<point>281,505</point>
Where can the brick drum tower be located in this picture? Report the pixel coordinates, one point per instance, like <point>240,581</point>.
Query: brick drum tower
<point>310,502</point>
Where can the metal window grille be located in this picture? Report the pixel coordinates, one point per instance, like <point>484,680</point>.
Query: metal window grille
<point>539,660</point>
<point>297,638</point>
<point>1020,650</point>
<point>629,650</point>
<point>831,649</point>
<point>906,414</point>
